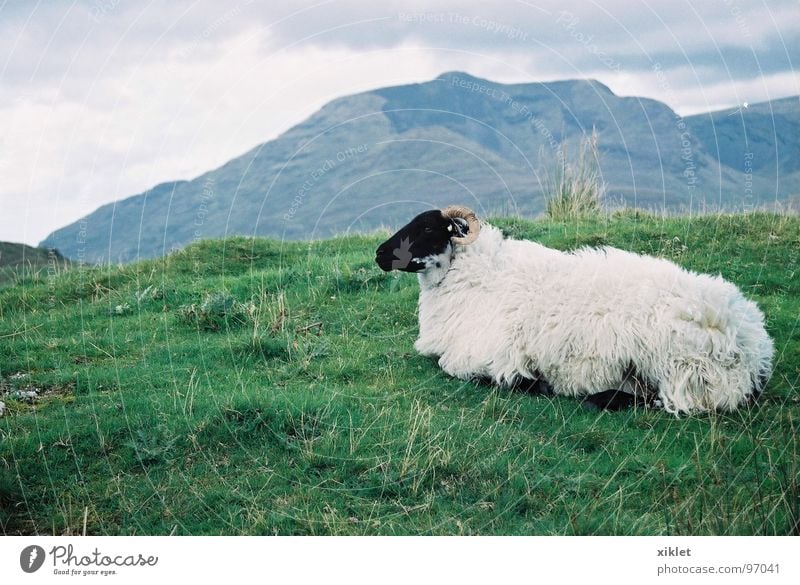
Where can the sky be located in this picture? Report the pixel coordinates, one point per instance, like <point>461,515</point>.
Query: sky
<point>102,99</point>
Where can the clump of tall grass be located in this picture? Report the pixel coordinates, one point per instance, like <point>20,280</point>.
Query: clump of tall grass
<point>575,189</point>
<point>217,311</point>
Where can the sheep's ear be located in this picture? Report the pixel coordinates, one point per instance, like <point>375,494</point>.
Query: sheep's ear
<point>460,228</point>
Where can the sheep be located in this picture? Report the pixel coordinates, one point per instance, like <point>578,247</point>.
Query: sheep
<point>611,327</point>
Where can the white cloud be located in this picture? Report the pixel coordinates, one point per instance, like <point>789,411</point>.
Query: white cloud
<point>686,87</point>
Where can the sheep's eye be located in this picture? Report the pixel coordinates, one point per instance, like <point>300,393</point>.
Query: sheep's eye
<point>428,230</point>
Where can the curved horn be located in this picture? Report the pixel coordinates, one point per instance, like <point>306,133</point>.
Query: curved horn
<point>472,221</point>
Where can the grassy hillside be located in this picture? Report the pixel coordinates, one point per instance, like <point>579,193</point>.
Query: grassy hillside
<point>18,260</point>
<point>257,387</point>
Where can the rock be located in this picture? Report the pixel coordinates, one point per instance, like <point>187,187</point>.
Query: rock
<point>28,395</point>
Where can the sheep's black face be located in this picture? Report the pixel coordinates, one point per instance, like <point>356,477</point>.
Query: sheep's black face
<point>416,245</point>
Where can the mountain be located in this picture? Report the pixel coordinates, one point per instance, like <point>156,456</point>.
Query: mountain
<point>760,140</point>
<point>17,259</point>
<point>378,157</point>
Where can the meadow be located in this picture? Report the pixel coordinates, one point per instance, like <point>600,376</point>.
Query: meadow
<point>252,386</point>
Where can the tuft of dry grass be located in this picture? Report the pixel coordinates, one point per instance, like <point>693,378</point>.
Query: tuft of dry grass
<point>575,189</point>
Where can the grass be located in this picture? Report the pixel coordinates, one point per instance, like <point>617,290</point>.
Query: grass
<point>257,387</point>
<point>575,189</point>
<point>20,260</point>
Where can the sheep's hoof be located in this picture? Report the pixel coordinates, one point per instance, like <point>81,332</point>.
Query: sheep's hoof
<point>609,400</point>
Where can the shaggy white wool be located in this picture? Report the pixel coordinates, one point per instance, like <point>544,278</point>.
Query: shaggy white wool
<point>504,309</point>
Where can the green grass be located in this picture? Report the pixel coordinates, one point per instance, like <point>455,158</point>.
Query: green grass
<point>257,387</point>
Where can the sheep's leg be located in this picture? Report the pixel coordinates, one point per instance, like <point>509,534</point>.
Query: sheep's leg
<point>483,380</point>
<point>610,400</point>
<point>758,389</point>
<point>632,391</point>
<point>535,386</point>
<point>618,399</point>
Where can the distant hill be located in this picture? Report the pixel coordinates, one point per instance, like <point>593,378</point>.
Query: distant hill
<point>377,157</point>
<point>761,140</point>
<point>16,259</point>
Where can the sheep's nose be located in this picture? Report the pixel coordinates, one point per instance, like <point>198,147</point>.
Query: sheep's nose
<point>383,258</point>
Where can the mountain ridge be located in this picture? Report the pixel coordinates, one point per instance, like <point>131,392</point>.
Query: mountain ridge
<point>17,260</point>
<point>460,138</point>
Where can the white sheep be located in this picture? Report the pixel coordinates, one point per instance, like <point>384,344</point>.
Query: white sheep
<point>596,323</point>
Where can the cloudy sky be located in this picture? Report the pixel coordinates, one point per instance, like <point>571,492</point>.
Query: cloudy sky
<point>101,99</point>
